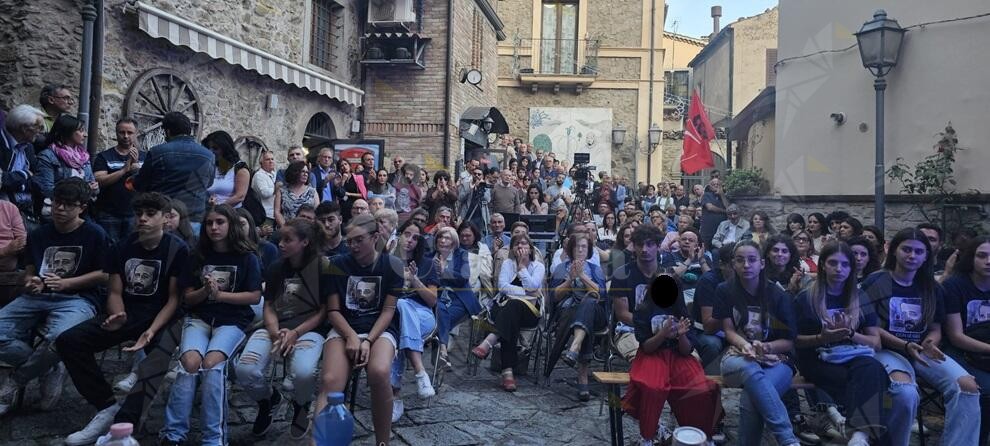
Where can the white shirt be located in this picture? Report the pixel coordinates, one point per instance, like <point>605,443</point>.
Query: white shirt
<point>263,185</point>
<point>531,277</point>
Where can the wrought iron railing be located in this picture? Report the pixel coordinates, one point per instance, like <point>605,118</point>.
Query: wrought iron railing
<point>556,56</point>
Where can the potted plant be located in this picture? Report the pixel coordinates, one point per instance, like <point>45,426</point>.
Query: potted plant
<point>742,182</point>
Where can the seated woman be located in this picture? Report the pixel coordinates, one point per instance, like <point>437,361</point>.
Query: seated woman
<point>758,319</point>
<point>806,253</point>
<point>665,371</point>
<point>578,286</point>
<point>365,286</point>
<point>836,343</point>
<point>480,259</point>
<point>294,314</point>
<point>415,310</point>
<point>910,307</point>
<point>967,313</point>
<point>457,300</point>
<point>865,257</point>
<point>521,279</point>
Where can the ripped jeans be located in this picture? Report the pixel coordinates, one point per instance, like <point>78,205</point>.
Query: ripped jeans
<point>251,366</point>
<point>961,408</point>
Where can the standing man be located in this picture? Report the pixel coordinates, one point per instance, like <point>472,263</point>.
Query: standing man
<point>397,163</point>
<point>681,198</point>
<point>17,160</point>
<point>111,168</point>
<point>324,172</point>
<point>714,204</point>
<point>505,195</point>
<point>181,168</point>
<point>55,100</point>
<point>296,153</point>
<point>473,200</point>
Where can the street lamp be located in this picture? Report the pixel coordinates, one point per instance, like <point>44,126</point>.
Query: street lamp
<point>879,47</point>
<point>618,135</point>
<point>653,136</point>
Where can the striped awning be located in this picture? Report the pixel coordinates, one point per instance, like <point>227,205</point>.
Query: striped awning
<point>158,23</point>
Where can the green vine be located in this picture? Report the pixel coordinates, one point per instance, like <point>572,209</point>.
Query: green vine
<point>746,182</point>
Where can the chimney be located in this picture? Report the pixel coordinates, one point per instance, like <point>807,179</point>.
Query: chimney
<point>716,14</point>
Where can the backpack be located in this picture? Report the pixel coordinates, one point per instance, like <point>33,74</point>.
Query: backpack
<point>253,205</point>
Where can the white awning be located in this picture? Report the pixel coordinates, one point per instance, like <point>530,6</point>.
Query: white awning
<point>158,23</point>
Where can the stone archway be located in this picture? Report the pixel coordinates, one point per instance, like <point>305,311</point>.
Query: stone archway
<point>320,130</point>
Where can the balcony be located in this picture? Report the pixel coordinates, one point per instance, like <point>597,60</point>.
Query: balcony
<point>555,62</point>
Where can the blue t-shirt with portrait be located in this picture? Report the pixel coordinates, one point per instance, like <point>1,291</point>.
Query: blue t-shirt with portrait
<point>809,322</point>
<point>756,319</point>
<point>146,273</point>
<point>234,273</point>
<point>902,313</point>
<point>73,254</point>
<point>963,297</point>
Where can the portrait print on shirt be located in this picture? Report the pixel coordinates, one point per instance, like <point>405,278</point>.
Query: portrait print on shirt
<point>142,276</point>
<point>906,315</point>
<point>753,329</point>
<point>402,201</point>
<point>224,275</point>
<point>61,261</point>
<point>292,301</point>
<point>641,292</point>
<point>977,312</point>
<point>363,293</point>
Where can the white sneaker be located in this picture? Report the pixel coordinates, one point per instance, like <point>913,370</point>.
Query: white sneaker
<point>423,385</point>
<point>51,386</point>
<point>10,392</point>
<point>397,409</point>
<point>98,426</point>
<point>125,385</point>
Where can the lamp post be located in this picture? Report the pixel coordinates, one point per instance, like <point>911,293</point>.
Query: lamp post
<point>879,46</point>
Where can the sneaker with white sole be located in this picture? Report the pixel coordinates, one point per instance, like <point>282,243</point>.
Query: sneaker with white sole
<point>397,409</point>
<point>51,386</point>
<point>99,425</point>
<point>423,385</point>
<point>127,383</point>
<point>10,394</point>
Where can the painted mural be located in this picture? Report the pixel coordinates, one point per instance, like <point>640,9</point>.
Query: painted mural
<point>566,131</point>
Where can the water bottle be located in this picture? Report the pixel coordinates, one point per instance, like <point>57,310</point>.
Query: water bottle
<point>120,435</point>
<point>334,425</point>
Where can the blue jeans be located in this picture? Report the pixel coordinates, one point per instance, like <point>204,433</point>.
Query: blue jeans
<point>760,400</point>
<point>45,315</point>
<point>416,323</point>
<point>983,379</point>
<point>709,347</point>
<point>960,407</point>
<point>451,313</point>
<point>250,368</point>
<point>117,227</point>
<point>200,337</point>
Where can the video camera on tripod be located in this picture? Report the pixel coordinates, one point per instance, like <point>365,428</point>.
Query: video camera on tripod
<point>582,175</point>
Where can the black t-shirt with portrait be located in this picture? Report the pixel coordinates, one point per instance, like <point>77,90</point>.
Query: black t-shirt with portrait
<point>963,297</point>
<point>146,273</point>
<point>74,254</point>
<point>809,323</point>
<point>362,290</point>
<point>903,312</point>
<point>756,319</point>
<point>298,294</point>
<point>114,199</point>
<point>234,273</point>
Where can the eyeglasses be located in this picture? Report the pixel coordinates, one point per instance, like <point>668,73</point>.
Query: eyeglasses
<point>358,239</point>
<point>68,99</point>
<point>64,205</point>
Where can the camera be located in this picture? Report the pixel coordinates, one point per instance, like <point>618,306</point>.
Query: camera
<point>582,175</point>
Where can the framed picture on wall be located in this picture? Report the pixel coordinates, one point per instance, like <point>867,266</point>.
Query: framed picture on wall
<point>353,150</point>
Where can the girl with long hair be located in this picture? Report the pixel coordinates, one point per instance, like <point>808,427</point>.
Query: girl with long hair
<point>783,265</point>
<point>818,229</point>
<point>806,254</point>
<point>837,338</point>
<point>267,251</point>
<point>225,281</point>
<point>967,313</point>
<point>233,176</point>
<point>177,221</point>
<point>794,223</point>
<point>294,313</point>
<point>758,320</point>
<point>865,257</point>
<point>875,236</point>
<point>381,188</point>
<point>415,310</point>
<point>532,204</point>
<point>608,231</point>
<point>911,308</point>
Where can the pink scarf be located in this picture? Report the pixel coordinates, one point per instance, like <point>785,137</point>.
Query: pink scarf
<point>76,157</point>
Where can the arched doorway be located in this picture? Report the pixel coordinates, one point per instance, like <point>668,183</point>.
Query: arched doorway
<point>319,132</point>
<point>250,148</point>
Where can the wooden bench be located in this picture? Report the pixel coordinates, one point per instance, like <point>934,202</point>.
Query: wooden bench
<point>614,399</point>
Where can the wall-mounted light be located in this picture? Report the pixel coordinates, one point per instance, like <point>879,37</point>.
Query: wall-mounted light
<point>654,135</point>
<point>618,135</point>
<point>839,118</point>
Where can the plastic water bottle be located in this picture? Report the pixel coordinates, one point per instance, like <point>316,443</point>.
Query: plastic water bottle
<point>120,435</point>
<point>334,425</point>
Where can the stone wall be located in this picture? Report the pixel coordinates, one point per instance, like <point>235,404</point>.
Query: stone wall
<point>617,22</point>
<point>899,213</point>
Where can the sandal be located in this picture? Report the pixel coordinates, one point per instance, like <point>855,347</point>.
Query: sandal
<point>570,358</point>
<point>508,382</point>
<point>482,350</point>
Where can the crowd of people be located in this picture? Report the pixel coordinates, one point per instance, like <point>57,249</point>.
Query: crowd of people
<point>335,265</point>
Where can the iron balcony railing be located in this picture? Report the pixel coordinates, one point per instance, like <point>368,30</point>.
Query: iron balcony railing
<point>556,56</point>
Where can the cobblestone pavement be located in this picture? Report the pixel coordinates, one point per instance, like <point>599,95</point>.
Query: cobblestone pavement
<point>468,410</point>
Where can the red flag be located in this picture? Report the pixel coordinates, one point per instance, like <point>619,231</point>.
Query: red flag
<point>698,134</point>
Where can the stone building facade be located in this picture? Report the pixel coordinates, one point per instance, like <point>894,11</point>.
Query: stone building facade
<point>40,44</point>
<point>586,55</point>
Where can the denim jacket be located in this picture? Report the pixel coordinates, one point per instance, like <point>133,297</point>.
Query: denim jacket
<point>180,168</point>
<point>51,170</point>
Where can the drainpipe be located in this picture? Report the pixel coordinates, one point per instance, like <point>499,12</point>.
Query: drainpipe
<point>449,67</point>
<point>96,92</point>
<point>89,14</point>
<point>649,110</point>
<point>732,58</point>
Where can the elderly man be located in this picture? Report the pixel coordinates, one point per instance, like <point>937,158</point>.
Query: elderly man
<point>323,172</point>
<point>730,230</point>
<point>505,195</point>
<point>296,153</point>
<point>55,100</point>
<point>17,159</point>
<point>359,207</point>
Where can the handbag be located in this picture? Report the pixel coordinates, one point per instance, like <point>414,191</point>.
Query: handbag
<point>841,354</point>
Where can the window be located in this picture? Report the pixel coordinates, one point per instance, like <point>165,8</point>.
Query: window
<point>326,32</point>
<point>319,132</point>
<point>558,38</point>
<point>771,68</point>
<point>676,83</point>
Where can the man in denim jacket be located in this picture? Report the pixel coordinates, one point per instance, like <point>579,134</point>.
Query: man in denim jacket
<point>181,168</point>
